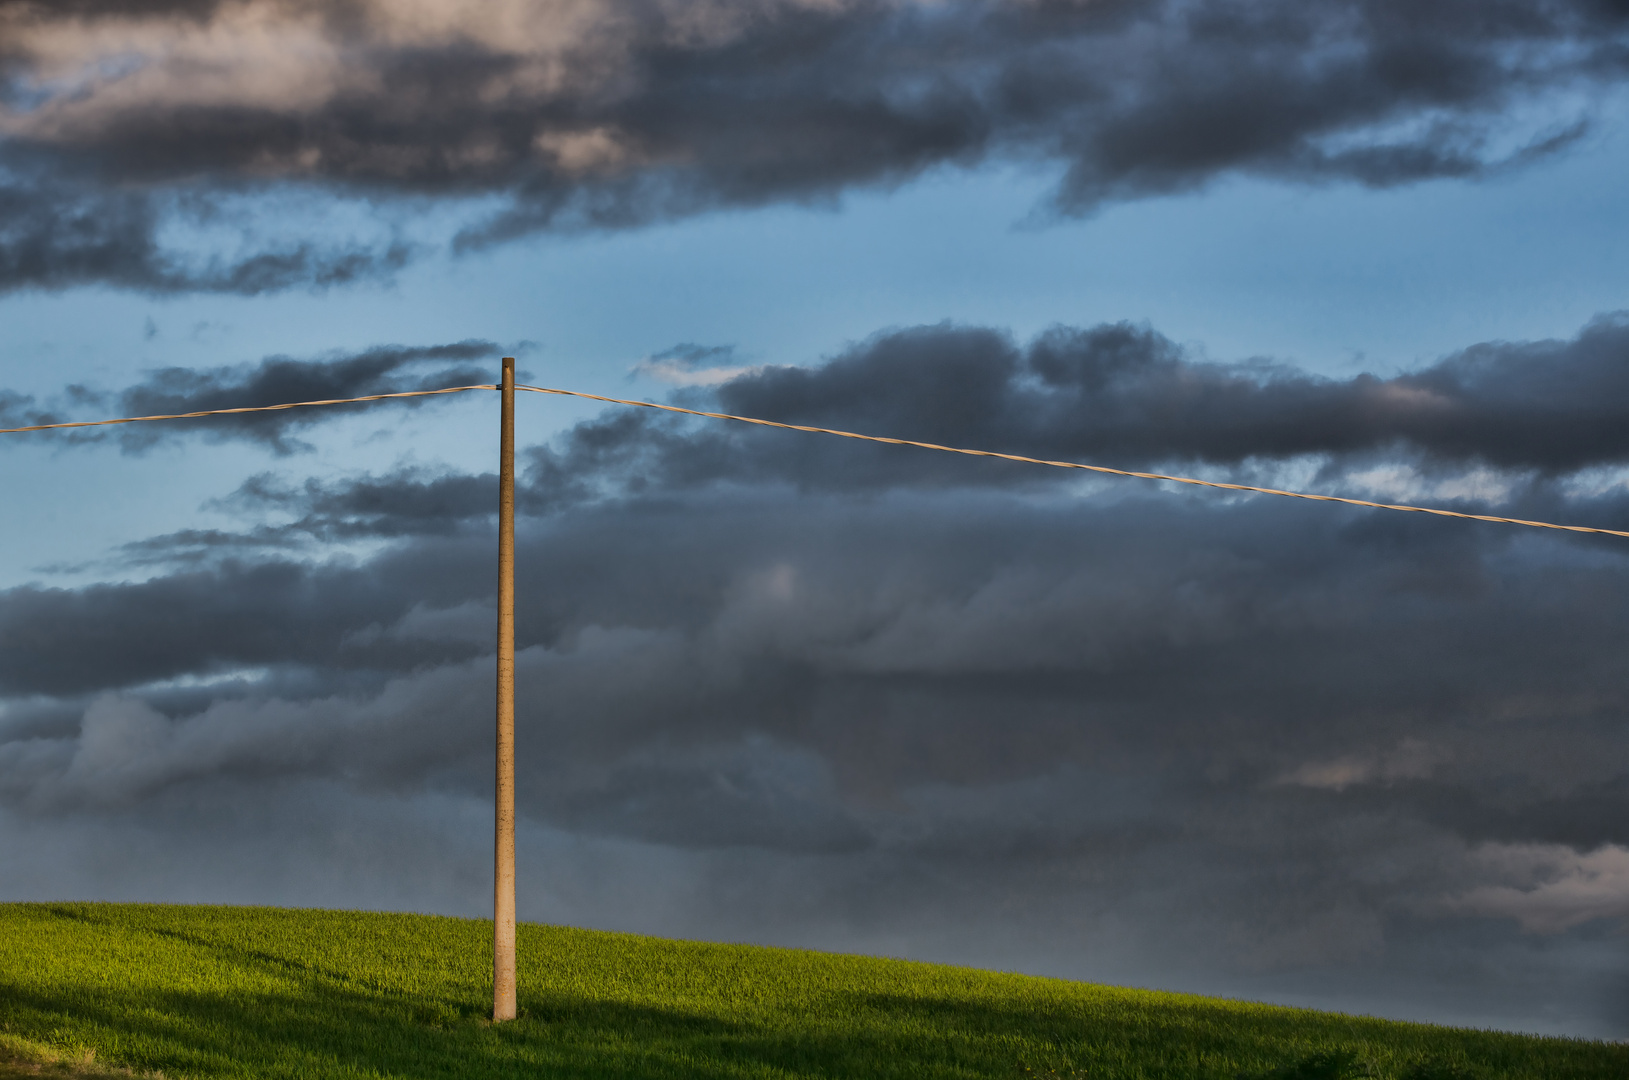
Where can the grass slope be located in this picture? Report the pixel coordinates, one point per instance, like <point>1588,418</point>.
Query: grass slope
<point>227,992</point>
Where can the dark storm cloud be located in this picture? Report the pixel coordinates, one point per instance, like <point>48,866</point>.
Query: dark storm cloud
<point>614,114</point>
<point>1119,395</point>
<point>971,641</point>
<point>61,641</point>
<point>1126,393</point>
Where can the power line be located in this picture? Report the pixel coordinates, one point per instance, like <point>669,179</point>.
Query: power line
<point>1077,465</point>
<point>246,409</point>
<point>886,440</point>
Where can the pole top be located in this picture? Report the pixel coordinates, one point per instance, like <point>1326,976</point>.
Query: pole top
<point>508,363</point>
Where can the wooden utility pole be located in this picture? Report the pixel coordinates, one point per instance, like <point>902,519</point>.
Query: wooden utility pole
<point>503,876</point>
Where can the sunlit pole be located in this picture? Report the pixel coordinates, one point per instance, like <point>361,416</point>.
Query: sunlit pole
<point>503,877</point>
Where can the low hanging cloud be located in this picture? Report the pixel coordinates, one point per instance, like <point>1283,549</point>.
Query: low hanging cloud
<point>611,114</point>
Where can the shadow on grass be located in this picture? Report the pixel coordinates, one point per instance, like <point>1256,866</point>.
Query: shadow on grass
<point>333,1031</point>
<point>1114,1037</point>
<point>321,1020</point>
<point>236,954</point>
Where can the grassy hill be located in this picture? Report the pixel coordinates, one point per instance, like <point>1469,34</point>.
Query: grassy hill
<point>222,991</point>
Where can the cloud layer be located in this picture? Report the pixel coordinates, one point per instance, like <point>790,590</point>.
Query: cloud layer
<point>773,689</point>
<point>1517,415</point>
<point>118,122</point>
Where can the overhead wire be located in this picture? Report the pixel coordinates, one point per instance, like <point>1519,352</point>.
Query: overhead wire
<point>884,439</point>
<point>246,409</point>
<point>1079,465</point>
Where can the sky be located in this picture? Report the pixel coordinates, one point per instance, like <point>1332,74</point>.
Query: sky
<point>791,690</point>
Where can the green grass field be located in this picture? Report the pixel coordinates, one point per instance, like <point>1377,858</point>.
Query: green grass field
<point>225,991</point>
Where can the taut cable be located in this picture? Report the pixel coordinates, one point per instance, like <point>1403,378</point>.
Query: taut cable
<point>246,409</point>
<point>1077,465</point>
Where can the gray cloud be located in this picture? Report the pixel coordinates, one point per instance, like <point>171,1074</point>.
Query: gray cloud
<point>56,233</point>
<point>625,113</point>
